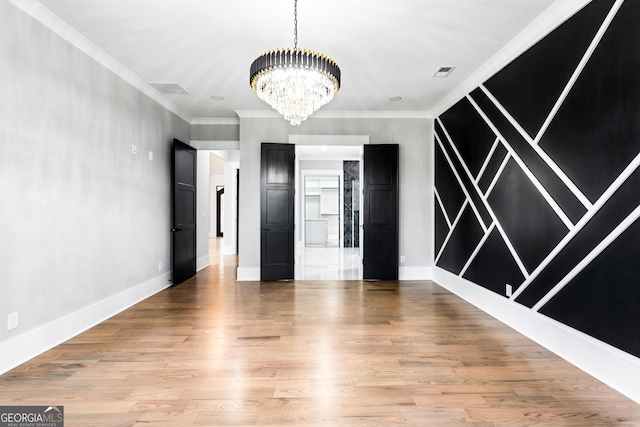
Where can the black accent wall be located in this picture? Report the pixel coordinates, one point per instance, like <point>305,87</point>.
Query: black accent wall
<point>537,182</point>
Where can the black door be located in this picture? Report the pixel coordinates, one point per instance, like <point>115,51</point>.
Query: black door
<point>277,186</point>
<point>184,211</point>
<point>380,219</point>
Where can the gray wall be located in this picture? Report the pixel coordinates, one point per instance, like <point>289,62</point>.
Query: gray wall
<point>415,137</point>
<point>215,132</point>
<point>321,165</point>
<point>81,218</point>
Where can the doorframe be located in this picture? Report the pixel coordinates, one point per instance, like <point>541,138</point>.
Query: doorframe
<point>219,210</point>
<point>237,170</point>
<point>328,141</point>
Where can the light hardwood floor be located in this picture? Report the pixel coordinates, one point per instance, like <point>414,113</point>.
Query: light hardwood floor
<point>213,352</point>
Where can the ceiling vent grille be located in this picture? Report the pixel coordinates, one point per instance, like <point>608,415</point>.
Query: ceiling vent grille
<point>443,71</point>
<point>169,88</point>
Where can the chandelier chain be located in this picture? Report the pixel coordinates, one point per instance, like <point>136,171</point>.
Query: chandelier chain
<point>295,24</point>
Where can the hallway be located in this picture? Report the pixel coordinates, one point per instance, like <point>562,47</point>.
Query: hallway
<point>216,352</point>
<point>328,263</point>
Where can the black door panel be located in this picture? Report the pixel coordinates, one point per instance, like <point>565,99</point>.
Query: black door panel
<point>380,212</point>
<point>277,191</point>
<point>184,211</point>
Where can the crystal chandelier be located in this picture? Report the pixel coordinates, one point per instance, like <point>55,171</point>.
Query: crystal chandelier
<point>295,82</point>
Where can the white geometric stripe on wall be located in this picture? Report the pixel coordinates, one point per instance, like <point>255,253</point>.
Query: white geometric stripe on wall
<point>630,169</point>
<point>547,152</point>
<point>477,249</point>
<point>494,224</point>
<point>624,225</point>
<point>574,229</point>
<point>487,160</point>
<point>583,62</point>
<point>442,208</point>
<point>543,191</point>
<point>498,174</point>
<point>451,230</point>
<point>464,189</point>
<point>554,167</point>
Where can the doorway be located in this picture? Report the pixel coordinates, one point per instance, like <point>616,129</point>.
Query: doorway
<point>223,195</point>
<point>327,213</point>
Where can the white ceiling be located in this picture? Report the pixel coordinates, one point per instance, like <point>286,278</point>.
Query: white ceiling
<point>385,48</point>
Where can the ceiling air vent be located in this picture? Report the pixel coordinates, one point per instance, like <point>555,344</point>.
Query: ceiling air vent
<point>443,71</point>
<point>169,88</point>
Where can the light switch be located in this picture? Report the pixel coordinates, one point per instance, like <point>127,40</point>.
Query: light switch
<point>12,321</point>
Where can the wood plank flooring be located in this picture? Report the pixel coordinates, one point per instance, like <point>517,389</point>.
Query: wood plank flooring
<point>213,352</point>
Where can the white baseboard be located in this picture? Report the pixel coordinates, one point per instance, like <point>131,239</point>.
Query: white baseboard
<point>248,274</point>
<point>22,348</point>
<point>617,369</point>
<point>415,273</point>
<point>203,262</point>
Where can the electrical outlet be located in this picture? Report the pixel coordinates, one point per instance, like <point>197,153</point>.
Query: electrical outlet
<point>509,290</point>
<point>401,259</point>
<point>134,149</point>
<point>160,266</point>
<point>150,155</point>
<point>12,321</point>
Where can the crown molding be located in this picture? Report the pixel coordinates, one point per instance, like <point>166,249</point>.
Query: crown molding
<point>214,145</point>
<point>329,114</point>
<point>548,21</point>
<point>43,15</point>
<point>352,140</point>
<point>341,114</point>
<point>215,121</point>
<point>258,114</point>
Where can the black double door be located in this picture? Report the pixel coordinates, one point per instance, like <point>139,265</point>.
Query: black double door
<point>380,204</point>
